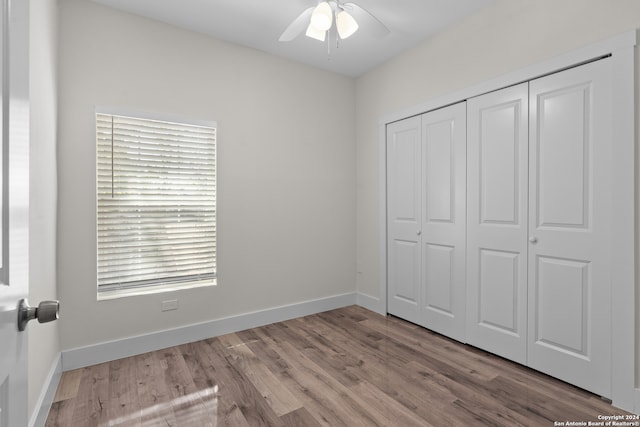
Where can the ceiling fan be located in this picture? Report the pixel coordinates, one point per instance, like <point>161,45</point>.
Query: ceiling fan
<point>318,21</point>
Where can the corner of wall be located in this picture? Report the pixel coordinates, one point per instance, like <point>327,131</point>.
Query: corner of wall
<point>371,303</point>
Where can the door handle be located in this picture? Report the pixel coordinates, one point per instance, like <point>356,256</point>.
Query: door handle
<point>46,311</point>
<point>419,232</point>
<point>533,239</point>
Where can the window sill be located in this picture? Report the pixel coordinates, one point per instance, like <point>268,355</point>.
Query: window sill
<point>123,293</point>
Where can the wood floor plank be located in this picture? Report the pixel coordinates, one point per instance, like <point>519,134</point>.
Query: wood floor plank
<point>342,364</point>
<point>417,393</point>
<point>124,406</point>
<point>412,390</point>
<point>391,375</point>
<point>265,353</point>
<point>476,387</point>
<point>189,404</point>
<point>281,400</point>
<point>333,360</point>
<point>345,367</point>
<point>251,403</point>
<point>309,383</point>
<point>535,402</point>
<point>389,409</point>
<point>208,375</point>
<point>299,417</point>
<point>60,414</point>
<point>337,396</point>
<point>153,393</point>
<point>436,346</point>
<point>467,397</point>
<point>68,386</point>
<point>92,405</point>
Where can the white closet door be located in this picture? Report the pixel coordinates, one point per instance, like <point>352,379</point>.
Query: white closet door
<point>444,220</point>
<point>569,266</point>
<point>497,222</point>
<point>403,218</point>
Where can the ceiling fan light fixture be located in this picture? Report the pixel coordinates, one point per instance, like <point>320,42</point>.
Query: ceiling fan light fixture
<point>322,16</point>
<point>345,24</point>
<point>315,33</point>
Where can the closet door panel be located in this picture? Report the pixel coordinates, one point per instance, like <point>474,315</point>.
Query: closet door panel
<point>497,150</point>
<point>438,281</point>
<point>498,290</point>
<point>563,304</point>
<point>562,151</point>
<point>404,180</point>
<point>439,183</point>
<point>405,258</point>
<point>499,166</point>
<point>570,219</point>
<point>444,220</point>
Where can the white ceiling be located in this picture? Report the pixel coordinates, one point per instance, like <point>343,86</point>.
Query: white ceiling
<point>259,24</point>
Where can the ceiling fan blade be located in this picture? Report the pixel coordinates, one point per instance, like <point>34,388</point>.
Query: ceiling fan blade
<point>377,27</point>
<point>297,26</point>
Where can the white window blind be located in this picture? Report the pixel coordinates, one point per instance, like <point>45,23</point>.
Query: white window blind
<point>156,197</point>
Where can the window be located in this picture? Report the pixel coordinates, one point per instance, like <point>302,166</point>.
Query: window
<point>156,204</point>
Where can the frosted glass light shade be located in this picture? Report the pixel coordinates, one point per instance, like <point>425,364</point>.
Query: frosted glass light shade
<point>346,24</point>
<point>322,16</point>
<point>315,33</point>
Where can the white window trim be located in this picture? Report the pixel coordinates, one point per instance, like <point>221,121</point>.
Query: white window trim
<point>164,117</point>
<point>156,289</point>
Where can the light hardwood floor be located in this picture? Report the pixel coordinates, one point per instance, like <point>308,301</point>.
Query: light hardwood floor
<point>346,367</point>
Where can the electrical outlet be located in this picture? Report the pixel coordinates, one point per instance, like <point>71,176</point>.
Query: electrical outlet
<point>171,304</point>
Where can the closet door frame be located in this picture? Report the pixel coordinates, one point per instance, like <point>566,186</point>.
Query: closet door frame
<point>621,49</point>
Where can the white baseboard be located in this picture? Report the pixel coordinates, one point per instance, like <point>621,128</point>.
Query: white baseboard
<point>43,405</point>
<point>371,303</point>
<point>112,350</point>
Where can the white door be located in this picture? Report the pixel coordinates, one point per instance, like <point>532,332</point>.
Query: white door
<point>444,220</point>
<point>497,222</point>
<point>426,219</point>
<point>569,226</point>
<point>15,213</point>
<point>403,218</point>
